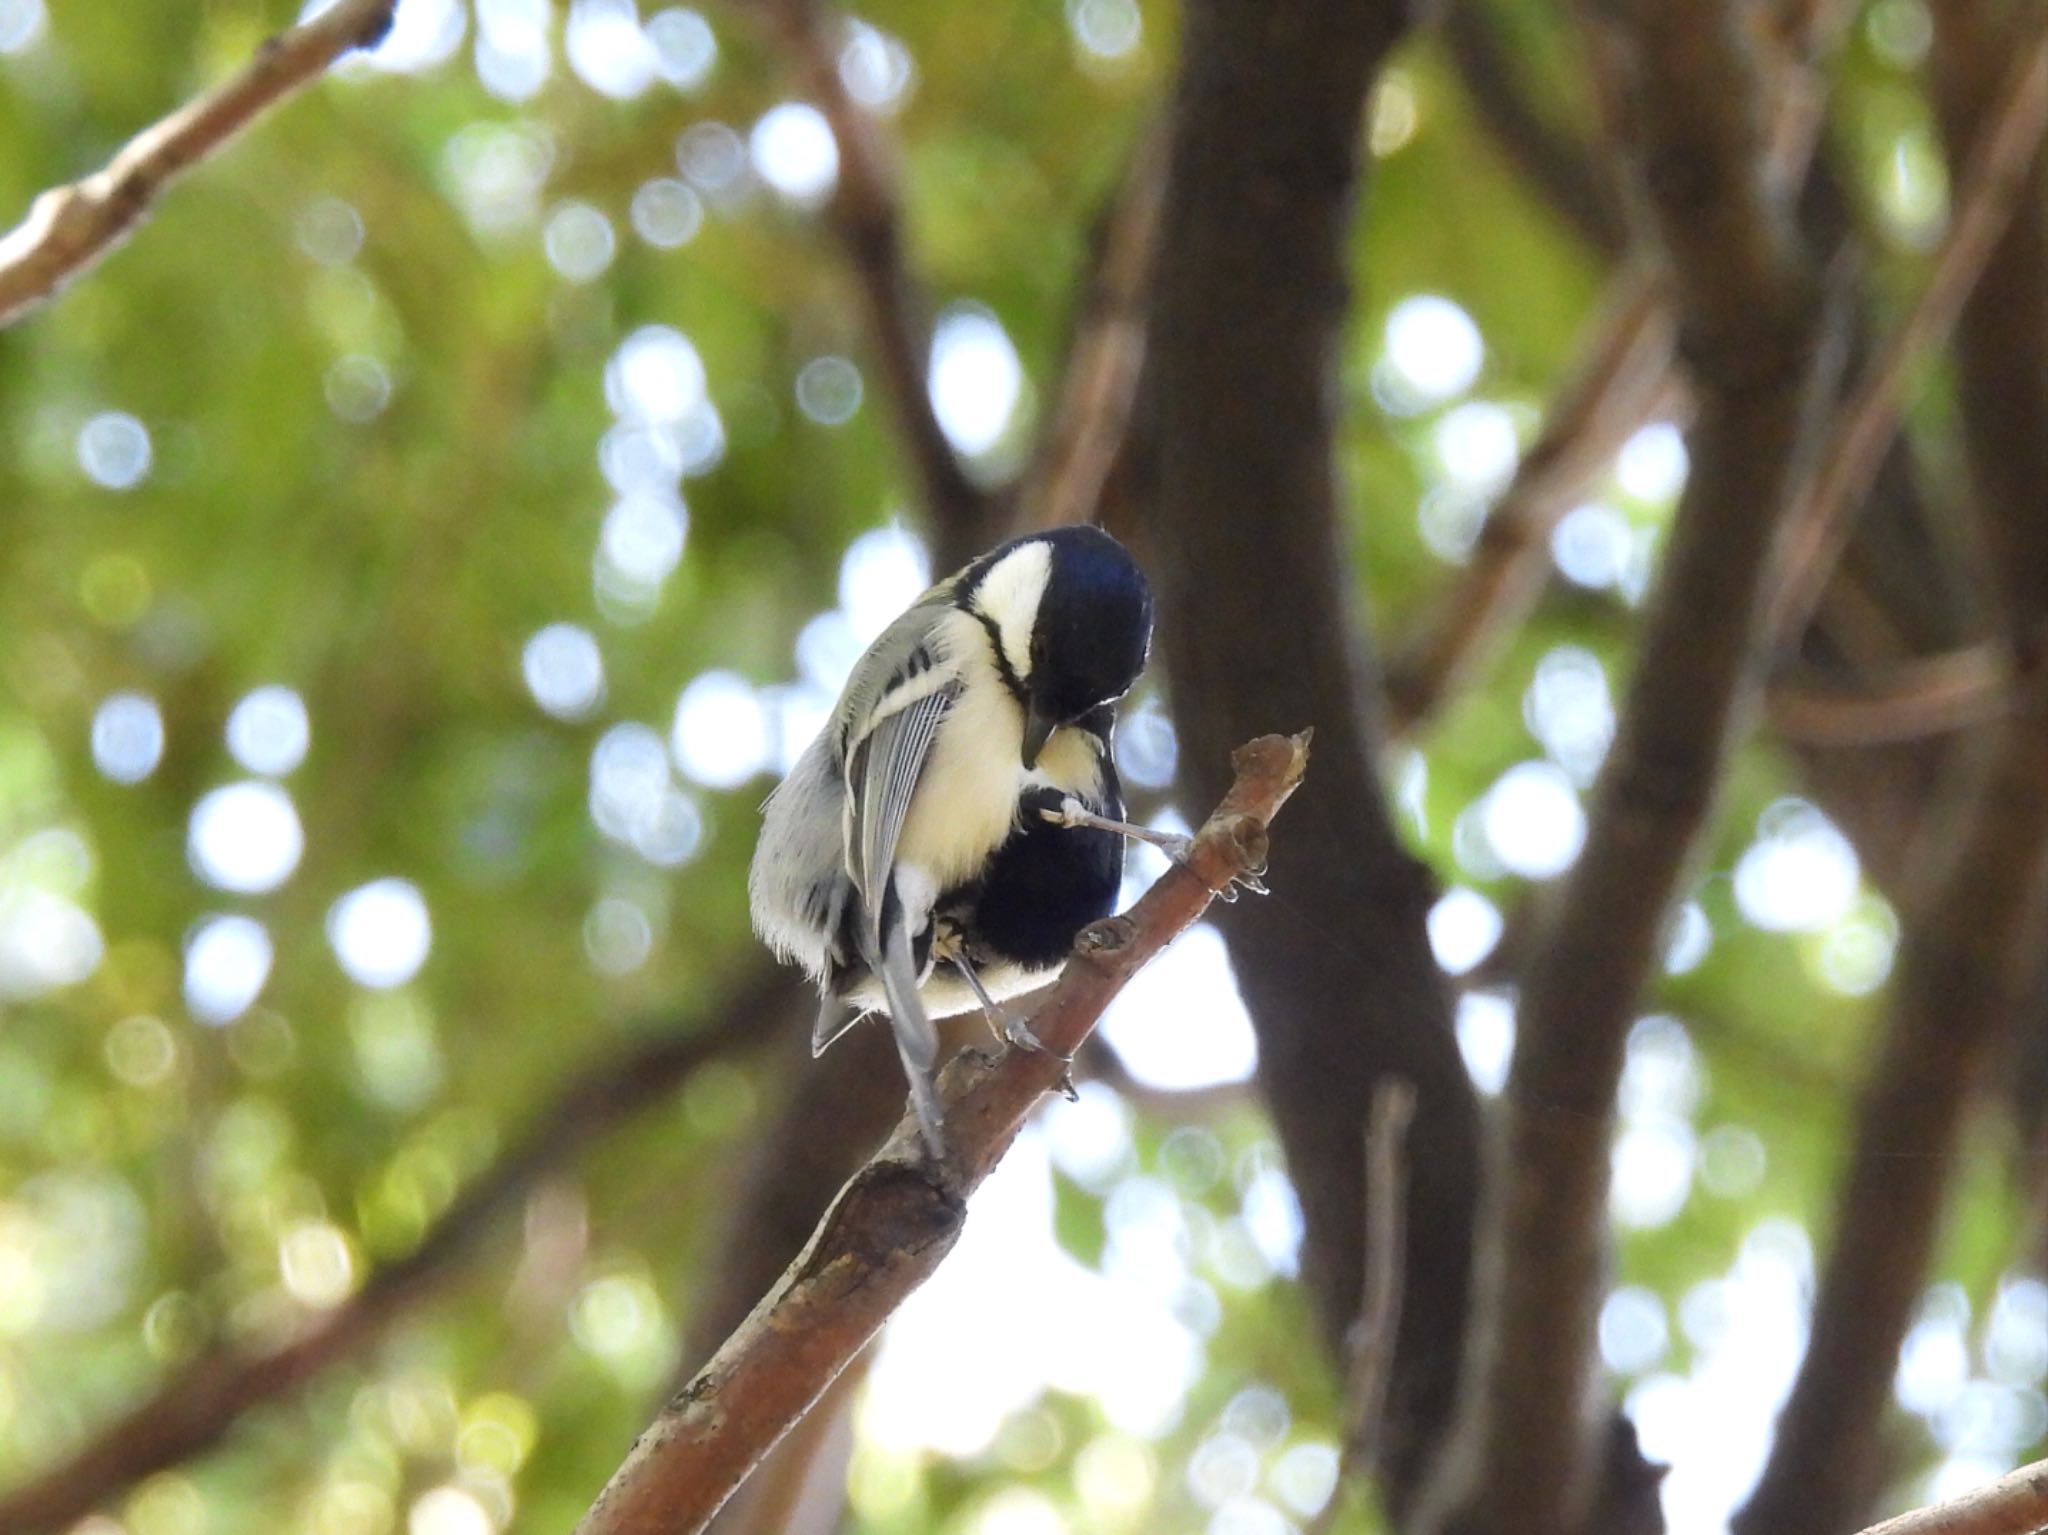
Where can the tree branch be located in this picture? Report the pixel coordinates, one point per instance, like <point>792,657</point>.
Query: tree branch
<point>1248,538</point>
<point>1077,462</point>
<point>197,1406</point>
<point>1992,188</point>
<point>1963,968</point>
<point>900,1215</point>
<point>1623,377</point>
<point>2002,331</point>
<point>864,216</point>
<point>1560,169</point>
<point>2015,1504</point>
<point>69,228</point>
<point>1748,319</point>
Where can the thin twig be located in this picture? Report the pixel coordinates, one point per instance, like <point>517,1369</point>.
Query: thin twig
<point>69,228</point>
<point>1379,1308</point>
<point>193,1409</point>
<point>866,218</point>
<point>1819,526</point>
<point>2015,1504</point>
<point>1623,378</point>
<point>900,1215</point>
<point>1911,700</point>
<point>1075,462</point>
<point>1561,168</point>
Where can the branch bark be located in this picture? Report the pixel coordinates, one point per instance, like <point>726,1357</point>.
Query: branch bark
<point>1379,1308</point>
<point>1256,616</point>
<point>2015,1504</point>
<point>1749,330</point>
<point>865,216</point>
<point>1972,953</point>
<point>1998,177</point>
<point>1963,968</point>
<point>196,1407</point>
<point>900,1215</point>
<point>1561,170</point>
<point>1623,377</point>
<point>68,229</point>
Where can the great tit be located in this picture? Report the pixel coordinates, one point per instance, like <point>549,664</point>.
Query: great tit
<point>958,820</point>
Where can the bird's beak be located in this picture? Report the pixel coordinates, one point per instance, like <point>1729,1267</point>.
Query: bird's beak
<point>1038,725</point>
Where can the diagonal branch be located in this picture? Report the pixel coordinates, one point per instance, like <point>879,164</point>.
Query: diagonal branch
<point>899,1217</point>
<point>1749,330</point>
<point>69,228</point>
<point>1623,378</point>
<point>865,216</point>
<point>1073,473</point>
<point>1993,187</point>
<point>2015,1504</point>
<point>1560,169</point>
<point>196,1407</point>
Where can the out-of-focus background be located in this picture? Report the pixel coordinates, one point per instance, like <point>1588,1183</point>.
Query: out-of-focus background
<point>423,544</point>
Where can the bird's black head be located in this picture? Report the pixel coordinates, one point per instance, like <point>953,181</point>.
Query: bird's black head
<point>1072,619</point>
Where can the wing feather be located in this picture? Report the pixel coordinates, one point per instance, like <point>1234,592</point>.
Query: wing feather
<point>881,778</point>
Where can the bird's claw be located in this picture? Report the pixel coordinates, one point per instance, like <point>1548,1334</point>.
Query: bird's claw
<point>1017,1032</point>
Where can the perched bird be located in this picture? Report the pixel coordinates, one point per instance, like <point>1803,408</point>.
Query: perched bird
<point>958,819</point>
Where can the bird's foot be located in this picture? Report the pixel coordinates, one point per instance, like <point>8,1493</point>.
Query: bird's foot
<point>1177,845</point>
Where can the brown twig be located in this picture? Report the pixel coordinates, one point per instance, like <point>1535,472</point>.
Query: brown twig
<point>1913,699</point>
<point>1076,461</point>
<point>865,216</point>
<point>192,1410</point>
<point>2002,332</point>
<point>2015,1504</point>
<point>1749,319</point>
<point>1379,1308</point>
<point>901,1214</point>
<point>1623,377</point>
<point>69,228</point>
<point>1990,191</point>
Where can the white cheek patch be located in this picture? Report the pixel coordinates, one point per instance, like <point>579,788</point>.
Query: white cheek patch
<point>1010,593</point>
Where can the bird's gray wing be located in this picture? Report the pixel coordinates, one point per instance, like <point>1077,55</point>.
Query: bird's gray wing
<point>901,655</point>
<point>881,778</point>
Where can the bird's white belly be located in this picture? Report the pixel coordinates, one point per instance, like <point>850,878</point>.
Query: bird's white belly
<point>965,803</point>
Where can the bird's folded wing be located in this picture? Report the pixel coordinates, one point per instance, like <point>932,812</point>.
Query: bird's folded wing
<point>881,776</point>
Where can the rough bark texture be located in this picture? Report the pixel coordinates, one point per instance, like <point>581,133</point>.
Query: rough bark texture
<point>1748,319</point>
<point>1249,296</point>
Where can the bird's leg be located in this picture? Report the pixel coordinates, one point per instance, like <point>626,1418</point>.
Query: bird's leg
<point>1008,1025</point>
<point>1176,845</point>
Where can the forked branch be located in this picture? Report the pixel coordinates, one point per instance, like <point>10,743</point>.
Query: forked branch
<point>901,1213</point>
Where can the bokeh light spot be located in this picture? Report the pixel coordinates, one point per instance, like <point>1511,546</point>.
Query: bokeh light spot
<point>227,960</point>
<point>381,932</point>
<point>564,670</point>
<point>269,731</point>
<point>114,450</point>
<point>794,152</point>
<point>245,837</point>
<point>976,378</point>
<point>127,737</point>
<point>721,732</point>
